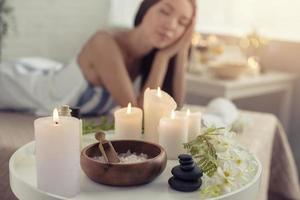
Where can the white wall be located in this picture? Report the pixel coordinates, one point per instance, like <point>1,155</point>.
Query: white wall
<point>123,12</point>
<point>53,28</point>
<point>278,19</point>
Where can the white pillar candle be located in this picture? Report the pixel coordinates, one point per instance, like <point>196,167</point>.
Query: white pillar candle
<point>194,123</point>
<point>58,155</point>
<point>128,123</point>
<point>157,104</point>
<point>173,133</point>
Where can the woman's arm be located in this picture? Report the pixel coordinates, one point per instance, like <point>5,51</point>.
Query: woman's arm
<point>161,61</point>
<point>179,83</point>
<point>108,63</point>
<point>156,76</point>
<point>181,62</point>
<point>157,73</point>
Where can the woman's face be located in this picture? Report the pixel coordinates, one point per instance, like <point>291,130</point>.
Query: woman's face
<point>166,21</point>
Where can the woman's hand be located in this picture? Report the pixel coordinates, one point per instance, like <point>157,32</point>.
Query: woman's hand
<point>182,44</point>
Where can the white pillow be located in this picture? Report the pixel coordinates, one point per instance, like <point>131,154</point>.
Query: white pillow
<point>38,63</point>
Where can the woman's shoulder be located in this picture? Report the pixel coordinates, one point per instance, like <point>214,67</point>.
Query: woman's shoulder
<point>105,45</point>
<point>103,39</point>
<point>109,39</point>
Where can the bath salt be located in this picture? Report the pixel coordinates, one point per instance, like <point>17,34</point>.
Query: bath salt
<point>127,157</point>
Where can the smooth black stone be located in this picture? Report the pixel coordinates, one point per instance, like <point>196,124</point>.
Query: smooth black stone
<point>189,162</point>
<point>185,157</point>
<point>192,175</point>
<point>187,167</point>
<point>184,186</point>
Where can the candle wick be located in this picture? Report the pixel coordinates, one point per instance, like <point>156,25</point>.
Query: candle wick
<point>56,123</point>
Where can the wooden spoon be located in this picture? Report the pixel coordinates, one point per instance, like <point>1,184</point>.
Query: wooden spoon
<point>107,149</point>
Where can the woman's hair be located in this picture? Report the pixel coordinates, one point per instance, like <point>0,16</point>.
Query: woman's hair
<point>147,60</point>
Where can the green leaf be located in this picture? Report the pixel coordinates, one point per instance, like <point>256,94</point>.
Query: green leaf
<point>203,151</point>
<point>91,127</point>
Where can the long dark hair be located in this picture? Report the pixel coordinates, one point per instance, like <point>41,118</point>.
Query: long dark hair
<point>147,60</point>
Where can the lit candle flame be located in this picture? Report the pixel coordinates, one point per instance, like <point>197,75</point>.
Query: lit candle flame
<point>159,92</point>
<point>173,114</point>
<point>55,116</point>
<point>188,112</point>
<point>129,108</point>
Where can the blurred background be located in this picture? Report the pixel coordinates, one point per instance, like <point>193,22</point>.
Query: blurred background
<point>236,44</point>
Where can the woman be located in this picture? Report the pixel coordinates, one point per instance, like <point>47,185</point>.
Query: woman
<point>107,66</point>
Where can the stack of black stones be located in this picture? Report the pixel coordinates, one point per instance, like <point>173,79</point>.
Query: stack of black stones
<point>186,176</point>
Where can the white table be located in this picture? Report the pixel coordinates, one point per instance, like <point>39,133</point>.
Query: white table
<point>271,146</point>
<point>22,170</point>
<point>24,186</point>
<point>267,83</point>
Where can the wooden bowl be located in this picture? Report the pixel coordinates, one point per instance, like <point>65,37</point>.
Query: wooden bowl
<point>228,70</point>
<point>124,174</point>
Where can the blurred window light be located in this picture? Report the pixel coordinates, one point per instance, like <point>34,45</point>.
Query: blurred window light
<point>278,19</point>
